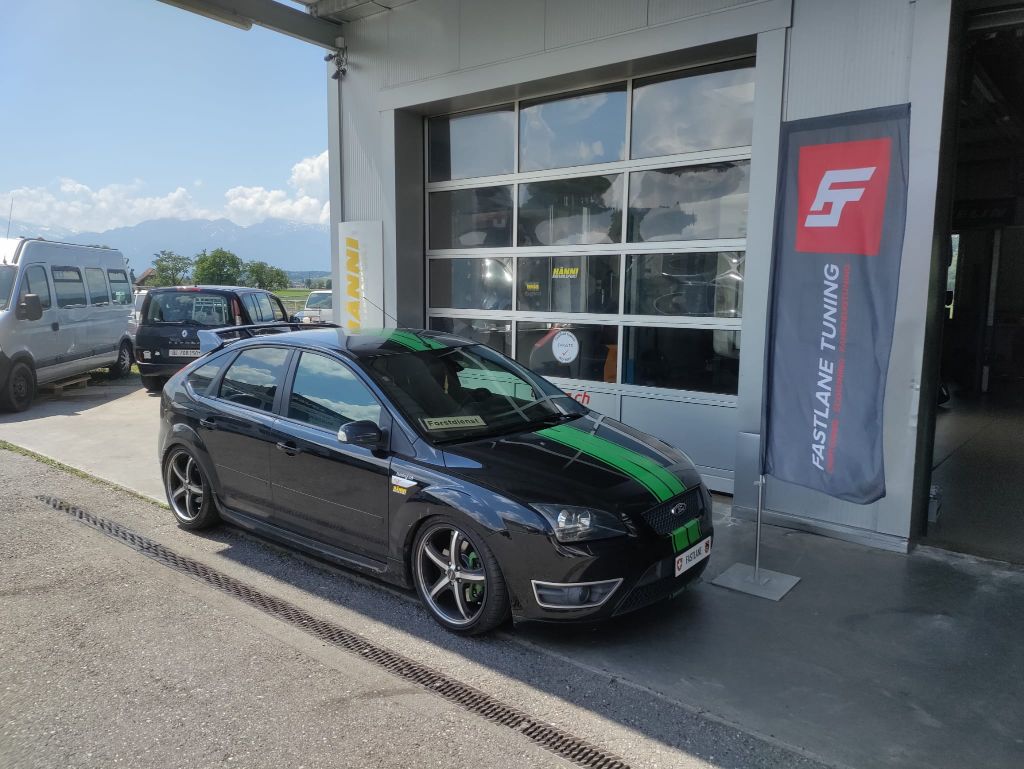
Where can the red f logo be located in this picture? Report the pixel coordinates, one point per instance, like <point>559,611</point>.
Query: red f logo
<point>841,191</point>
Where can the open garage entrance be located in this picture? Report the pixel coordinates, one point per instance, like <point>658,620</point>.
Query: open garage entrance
<point>979,431</point>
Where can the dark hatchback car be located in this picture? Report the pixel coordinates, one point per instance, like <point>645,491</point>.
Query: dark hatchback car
<point>167,336</point>
<point>435,462</point>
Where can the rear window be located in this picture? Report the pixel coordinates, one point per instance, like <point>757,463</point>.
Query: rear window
<point>120,288</point>
<point>191,308</point>
<point>318,302</point>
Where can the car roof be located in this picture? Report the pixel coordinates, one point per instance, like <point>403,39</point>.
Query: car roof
<point>365,343</point>
<point>207,288</point>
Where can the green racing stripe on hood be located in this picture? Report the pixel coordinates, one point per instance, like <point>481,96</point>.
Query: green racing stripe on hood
<point>662,484</point>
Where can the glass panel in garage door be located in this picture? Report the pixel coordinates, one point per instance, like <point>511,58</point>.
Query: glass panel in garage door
<point>471,284</point>
<point>574,130</point>
<point>474,218</point>
<point>569,283</point>
<point>472,144</point>
<point>697,284</point>
<point>705,360</point>
<point>569,350</point>
<point>567,212</point>
<point>704,202</point>
<point>496,334</point>
<point>673,114</point>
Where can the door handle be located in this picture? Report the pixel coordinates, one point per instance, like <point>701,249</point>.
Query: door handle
<point>55,326</point>
<point>288,447</point>
<point>210,424</point>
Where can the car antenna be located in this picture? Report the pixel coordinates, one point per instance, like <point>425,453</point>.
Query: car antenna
<point>386,313</point>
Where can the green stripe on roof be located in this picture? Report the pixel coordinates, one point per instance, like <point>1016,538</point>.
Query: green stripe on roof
<point>414,341</point>
<point>662,484</point>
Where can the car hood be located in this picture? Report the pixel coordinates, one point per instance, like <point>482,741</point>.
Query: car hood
<point>593,460</point>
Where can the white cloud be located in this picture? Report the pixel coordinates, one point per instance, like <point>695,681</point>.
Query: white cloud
<point>73,205</point>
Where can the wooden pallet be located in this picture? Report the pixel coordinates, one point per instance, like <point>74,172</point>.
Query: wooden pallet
<point>58,388</point>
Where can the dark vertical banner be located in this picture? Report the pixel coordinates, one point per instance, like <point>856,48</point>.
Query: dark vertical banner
<point>838,243</point>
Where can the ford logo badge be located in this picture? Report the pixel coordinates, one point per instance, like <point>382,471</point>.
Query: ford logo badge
<point>679,509</point>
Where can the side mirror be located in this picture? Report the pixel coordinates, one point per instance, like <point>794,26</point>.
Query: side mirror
<point>294,319</point>
<point>361,433</point>
<point>29,308</point>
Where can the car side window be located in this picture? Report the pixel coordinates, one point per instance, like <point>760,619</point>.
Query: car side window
<point>120,288</point>
<point>67,283</point>
<point>251,308</point>
<point>266,311</point>
<point>98,292</point>
<point>327,394</point>
<point>254,377</point>
<point>277,308</point>
<point>35,282</point>
<point>200,378</point>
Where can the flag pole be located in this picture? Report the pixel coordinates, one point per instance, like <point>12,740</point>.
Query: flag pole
<point>741,577</point>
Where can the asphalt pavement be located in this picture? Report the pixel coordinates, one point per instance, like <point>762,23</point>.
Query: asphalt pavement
<point>109,658</point>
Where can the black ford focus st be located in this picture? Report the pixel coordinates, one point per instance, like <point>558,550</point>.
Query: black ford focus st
<point>434,462</point>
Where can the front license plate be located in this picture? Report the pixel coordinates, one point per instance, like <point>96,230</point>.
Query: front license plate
<point>183,353</point>
<point>693,556</point>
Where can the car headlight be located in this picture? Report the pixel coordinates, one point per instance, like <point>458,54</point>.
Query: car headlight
<point>575,524</point>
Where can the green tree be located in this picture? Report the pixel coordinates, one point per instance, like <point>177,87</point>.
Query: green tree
<point>218,268</point>
<point>263,275</point>
<point>171,269</point>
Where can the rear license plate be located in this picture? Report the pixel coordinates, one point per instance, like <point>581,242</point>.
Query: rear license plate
<point>183,353</point>
<point>693,556</point>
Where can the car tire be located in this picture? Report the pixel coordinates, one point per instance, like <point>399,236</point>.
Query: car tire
<point>188,491</point>
<point>123,365</point>
<point>19,389</point>
<point>467,594</point>
<point>153,384</point>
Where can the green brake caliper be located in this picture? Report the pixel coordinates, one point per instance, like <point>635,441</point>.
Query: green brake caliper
<point>475,590</point>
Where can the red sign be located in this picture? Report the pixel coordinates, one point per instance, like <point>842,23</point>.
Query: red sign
<point>841,189</point>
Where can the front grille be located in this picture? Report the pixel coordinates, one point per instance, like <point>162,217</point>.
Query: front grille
<point>663,521</point>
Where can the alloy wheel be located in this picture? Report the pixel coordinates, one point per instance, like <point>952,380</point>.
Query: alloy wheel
<point>451,574</point>
<point>185,486</point>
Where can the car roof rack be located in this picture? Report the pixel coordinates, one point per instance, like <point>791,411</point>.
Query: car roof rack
<point>212,339</point>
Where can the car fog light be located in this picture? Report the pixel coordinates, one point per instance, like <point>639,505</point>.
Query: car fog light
<point>574,595</point>
<point>146,355</point>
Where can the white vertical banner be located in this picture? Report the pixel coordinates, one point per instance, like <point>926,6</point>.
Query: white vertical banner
<point>357,274</point>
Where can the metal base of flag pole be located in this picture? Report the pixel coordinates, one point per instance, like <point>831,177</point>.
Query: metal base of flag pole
<point>754,580</point>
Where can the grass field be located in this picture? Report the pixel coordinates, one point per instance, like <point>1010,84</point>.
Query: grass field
<point>294,294</point>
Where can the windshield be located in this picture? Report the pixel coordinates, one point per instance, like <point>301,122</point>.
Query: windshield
<point>318,302</point>
<point>467,393</point>
<point>7,275</point>
<point>194,308</point>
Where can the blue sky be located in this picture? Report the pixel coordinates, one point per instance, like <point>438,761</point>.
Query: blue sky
<point>121,110</point>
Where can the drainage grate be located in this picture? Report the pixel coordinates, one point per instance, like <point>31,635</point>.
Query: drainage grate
<point>545,735</point>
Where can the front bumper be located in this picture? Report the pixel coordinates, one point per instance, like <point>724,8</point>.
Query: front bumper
<point>645,564</point>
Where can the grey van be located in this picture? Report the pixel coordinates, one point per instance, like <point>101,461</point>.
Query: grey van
<point>64,310</point>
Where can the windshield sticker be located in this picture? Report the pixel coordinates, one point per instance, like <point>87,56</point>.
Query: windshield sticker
<point>452,423</point>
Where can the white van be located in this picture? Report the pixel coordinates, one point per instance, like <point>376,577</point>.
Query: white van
<point>64,310</point>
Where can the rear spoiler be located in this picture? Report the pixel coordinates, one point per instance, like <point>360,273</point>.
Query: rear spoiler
<point>212,339</point>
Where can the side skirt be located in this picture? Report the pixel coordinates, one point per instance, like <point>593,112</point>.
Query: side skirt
<point>333,555</point>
